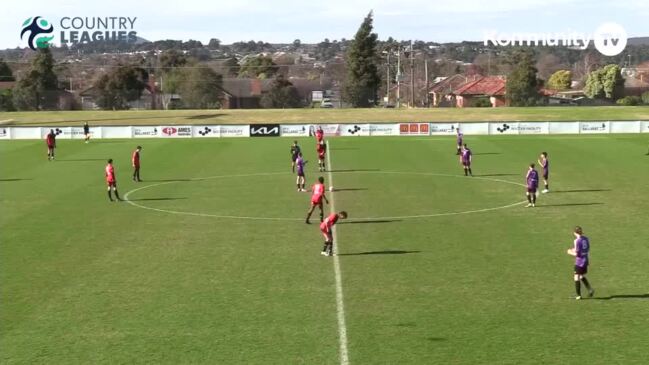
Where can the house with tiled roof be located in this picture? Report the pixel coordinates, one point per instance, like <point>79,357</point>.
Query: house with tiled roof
<point>484,87</point>
<point>440,92</point>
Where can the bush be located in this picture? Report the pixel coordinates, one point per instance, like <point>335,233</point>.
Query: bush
<point>629,101</point>
<point>482,103</point>
<point>645,98</point>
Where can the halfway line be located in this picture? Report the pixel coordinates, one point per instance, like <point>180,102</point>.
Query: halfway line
<point>340,305</point>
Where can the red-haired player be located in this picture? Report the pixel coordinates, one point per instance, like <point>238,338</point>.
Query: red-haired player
<point>326,229</point>
<point>316,199</point>
<point>111,181</point>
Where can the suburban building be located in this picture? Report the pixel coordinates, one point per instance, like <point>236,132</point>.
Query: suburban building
<point>491,87</point>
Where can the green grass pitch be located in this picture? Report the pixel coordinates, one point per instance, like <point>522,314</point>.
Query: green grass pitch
<point>87,281</point>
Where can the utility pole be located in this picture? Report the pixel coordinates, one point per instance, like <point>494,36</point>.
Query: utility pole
<point>387,82</point>
<point>399,77</point>
<point>412,76</point>
<point>427,82</point>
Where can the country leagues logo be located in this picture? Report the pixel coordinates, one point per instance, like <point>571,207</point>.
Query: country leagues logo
<point>38,28</point>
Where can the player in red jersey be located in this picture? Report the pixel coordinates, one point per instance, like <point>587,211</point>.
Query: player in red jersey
<point>319,135</point>
<point>316,199</point>
<point>326,229</point>
<point>50,140</point>
<point>321,148</point>
<point>135,161</point>
<point>110,180</point>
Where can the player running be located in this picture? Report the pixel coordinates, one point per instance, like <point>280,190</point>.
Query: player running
<point>545,163</point>
<point>466,156</point>
<point>299,162</point>
<point>460,137</point>
<point>135,162</point>
<point>316,199</point>
<point>326,229</point>
<point>86,132</point>
<point>532,180</point>
<point>50,140</point>
<point>295,151</point>
<point>581,250</point>
<point>321,148</point>
<point>111,181</point>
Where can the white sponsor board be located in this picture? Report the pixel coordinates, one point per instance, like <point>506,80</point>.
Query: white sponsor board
<point>437,129</point>
<point>533,128</point>
<point>625,127</point>
<point>384,129</point>
<point>61,132</point>
<point>645,127</point>
<point>294,130</point>
<point>503,128</point>
<point>204,131</point>
<point>176,131</point>
<point>145,131</point>
<point>5,133</point>
<point>564,127</point>
<point>329,130</point>
<point>474,128</point>
<point>235,131</point>
<point>26,132</point>
<point>116,132</point>
<point>354,129</point>
<point>594,127</point>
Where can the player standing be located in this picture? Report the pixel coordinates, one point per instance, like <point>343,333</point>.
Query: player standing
<point>326,229</point>
<point>50,140</point>
<point>545,163</point>
<point>321,148</point>
<point>86,131</point>
<point>299,162</point>
<point>319,135</point>
<point>135,161</point>
<point>466,156</point>
<point>532,180</point>
<point>316,199</point>
<point>295,151</point>
<point>460,137</point>
<point>581,250</point>
<point>110,180</point>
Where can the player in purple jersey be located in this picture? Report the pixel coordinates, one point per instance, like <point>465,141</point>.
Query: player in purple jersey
<point>532,182</point>
<point>299,164</point>
<point>545,163</point>
<point>581,250</point>
<point>465,159</point>
<point>459,141</point>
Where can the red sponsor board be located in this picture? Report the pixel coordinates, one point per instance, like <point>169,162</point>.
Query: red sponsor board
<point>414,129</point>
<point>169,131</point>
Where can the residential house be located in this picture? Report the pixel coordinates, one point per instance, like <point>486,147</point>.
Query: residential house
<point>243,93</point>
<point>442,89</point>
<point>491,87</point>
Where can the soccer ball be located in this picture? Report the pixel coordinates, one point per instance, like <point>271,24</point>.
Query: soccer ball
<point>331,188</point>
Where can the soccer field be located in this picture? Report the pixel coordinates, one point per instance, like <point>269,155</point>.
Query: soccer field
<point>210,261</point>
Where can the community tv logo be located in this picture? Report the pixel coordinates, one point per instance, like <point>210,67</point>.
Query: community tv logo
<point>609,39</point>
<point>37,27</point>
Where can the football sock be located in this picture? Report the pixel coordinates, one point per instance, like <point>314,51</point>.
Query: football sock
<point>547,186</point>
<point>117,195</point>
<point>470,172</point>
<point>298,186</point>
<point>529,198</point>
<point>578,288</point>
<point>533,196</point>
<point>330,248</point>
<point>109,195</point>
<point>321,216</point>
<point>324,248</point>
<point>466,172</point>
<point>586,283</point>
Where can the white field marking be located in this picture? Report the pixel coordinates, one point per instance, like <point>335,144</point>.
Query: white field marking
<point>340,304</point>
<point>300,219</point>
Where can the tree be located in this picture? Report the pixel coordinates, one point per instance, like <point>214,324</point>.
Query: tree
<point>5,72</point>
<point>214,43</point>
<point>560,80</point>
<point>172,59</point>
<point>261,67</point>
<point>645,97</point>
<point>231,67</point>
<point>38,88</point>
<point>201,88</point>
<point>522,84</point>
<point>6,100</point>
<point>296,44</point>
<point>363,80</point>
<point>282,94</point>
<point>606,82</point>
<point>120,86</point>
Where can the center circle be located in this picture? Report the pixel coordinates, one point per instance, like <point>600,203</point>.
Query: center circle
<point>418,195</point>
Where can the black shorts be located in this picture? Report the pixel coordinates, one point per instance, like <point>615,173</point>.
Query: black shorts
<point>546,175</point>
<point>300,174</point>
<point>293,158</point>
<point>581,270</point>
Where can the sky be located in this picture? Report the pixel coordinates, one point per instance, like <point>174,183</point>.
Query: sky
<point>282,21</point>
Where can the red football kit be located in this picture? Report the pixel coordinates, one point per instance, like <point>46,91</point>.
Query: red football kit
<point>321,151</point>
<point>318,192</point>
<point>51,140</point>
<point>319,135</point>
<point>110,175</point>
<point>135,159</point>
<point>326,225</point>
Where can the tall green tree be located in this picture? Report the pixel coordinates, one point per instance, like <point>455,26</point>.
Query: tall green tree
<point>38,88</point>
<point>120,86</point>
<point>560,80</point>
<point>522,83</point>
<point>201,88</point>
<point>605,83</point>
<point>261,67</point>
<point>282,94</point>
<point>363,80</point>
<point>5,72</point>
<point>172,59</point>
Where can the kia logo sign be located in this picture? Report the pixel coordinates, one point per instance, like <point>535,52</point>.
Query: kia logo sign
<point>264,130</point>
<point>169,131</point>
